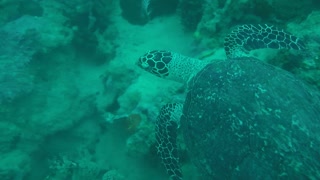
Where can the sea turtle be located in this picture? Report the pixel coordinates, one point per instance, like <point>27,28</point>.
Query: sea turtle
<point>242,118</point>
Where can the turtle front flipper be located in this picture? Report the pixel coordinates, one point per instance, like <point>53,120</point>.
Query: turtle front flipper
<point>166,134</point>
<point>249,37</point>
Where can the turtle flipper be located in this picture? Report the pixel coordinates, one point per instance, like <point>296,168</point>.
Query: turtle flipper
<point>166,135</point>
<point>249,37</point>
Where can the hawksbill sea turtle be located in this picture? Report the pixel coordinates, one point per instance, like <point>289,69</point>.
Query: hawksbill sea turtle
<point>242,118</point>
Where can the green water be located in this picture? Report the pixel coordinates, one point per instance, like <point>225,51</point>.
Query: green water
<point>75,106</point>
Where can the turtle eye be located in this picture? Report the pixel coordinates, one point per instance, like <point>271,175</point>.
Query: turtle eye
<point>155,62</point>
<point>145,65</point>
<point>142,62</point>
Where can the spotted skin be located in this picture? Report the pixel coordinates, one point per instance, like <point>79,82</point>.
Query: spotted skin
<point>249,37</point>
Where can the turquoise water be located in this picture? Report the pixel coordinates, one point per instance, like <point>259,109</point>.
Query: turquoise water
<point>75,105</point>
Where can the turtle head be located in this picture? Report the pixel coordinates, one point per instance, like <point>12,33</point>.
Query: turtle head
<point>156,62</point>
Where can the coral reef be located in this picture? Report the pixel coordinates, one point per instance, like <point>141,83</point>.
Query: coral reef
<point>19,42</point>
<point>307,64</point>
<point>191,13</point>
<point>77,169</point>
<point>142,11</point>
<point>68,80</point>
<point>218,16</point>
<point>14,165</point>
<point>39,96</point>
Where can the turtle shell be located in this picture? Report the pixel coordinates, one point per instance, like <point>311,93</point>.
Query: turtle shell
<point>245,119</point>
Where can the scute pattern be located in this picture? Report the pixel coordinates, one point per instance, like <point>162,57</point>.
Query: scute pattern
<point>249,37</point>
<point>156,62</point>
<point>166,135</point>
<point>246,119</point>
